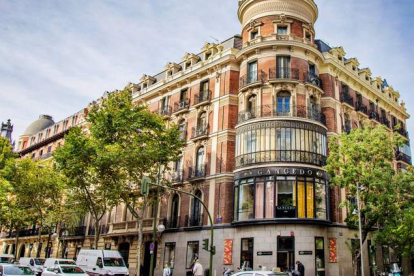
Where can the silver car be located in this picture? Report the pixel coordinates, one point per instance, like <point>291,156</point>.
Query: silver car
<point>15,270</point>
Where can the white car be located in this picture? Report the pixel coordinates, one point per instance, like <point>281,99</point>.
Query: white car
<point>64,270</point>
<point>260,273</point>
<point>6,258</point>
<point>55,261</point>
<point>15,270</point>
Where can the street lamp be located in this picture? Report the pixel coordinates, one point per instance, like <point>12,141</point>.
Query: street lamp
<point>360,228</point>
<point>161,228</point>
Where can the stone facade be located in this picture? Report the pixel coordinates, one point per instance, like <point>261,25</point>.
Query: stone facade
<point>276,78</point>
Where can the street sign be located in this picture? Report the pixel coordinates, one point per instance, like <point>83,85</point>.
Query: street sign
<point>145,182</point>
<point>152,247</point>
<point>305,252</point>
<point>264,253</point>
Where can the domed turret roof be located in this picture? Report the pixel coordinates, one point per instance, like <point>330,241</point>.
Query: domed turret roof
<point>40,124</point>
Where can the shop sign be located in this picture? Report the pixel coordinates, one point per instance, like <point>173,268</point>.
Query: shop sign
<point>282,171</point>
<point>264,253</point>
<point>305,252</point>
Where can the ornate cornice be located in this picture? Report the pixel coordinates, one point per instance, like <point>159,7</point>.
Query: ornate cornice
<point>305,10</point>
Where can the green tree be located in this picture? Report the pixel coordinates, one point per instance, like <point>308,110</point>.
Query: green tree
<point>89,169</point>
<point>145,143</point>
<point>365,156</point>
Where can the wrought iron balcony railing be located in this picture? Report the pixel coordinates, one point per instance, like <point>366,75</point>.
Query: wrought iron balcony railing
<point>312,112</point>
<point>252,77</point>
<point>312,78</point>
<point>385,122</point>
<point>182,106</point>
<point>403,132</point>
<point>199,171</point>
<point>194,220</point>
<point>103,230</point>
<point>165,111</point>
<point>74,231</point>
<point>400,156</point>
<point>361,108</point>
<point>374,115</point>
<point>287,156</point>
<point>346,98</point>
<point>199,131</point>
<point>172,223</point>
<point>203,97</point>
<point>178,176</point>
<point>283,73</point>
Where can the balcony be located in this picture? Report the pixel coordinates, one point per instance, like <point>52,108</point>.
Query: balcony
<point>28,233</point>
<point>347,99</point>
<point>362,108</point>
<point>44,156</point>
<point>177,176</point>
<point>172,223</point>
<point>194,220</point>
<point>165,111</point>
<point>74,232</point>
<point>373,115</point>
<point>294,111</point>
<point>199,132</point>
<point>181,107</point>
<point>202,98</point>
<point>252,78</point>
<point>399,156</point>
<point>120,228</point>
<point>286,156</point>
<point>403,132</point>
<point>197,172</point>
<point>103,230</point>
<point>312,78</point>
<point>385,122</point>
<point>283,73</point>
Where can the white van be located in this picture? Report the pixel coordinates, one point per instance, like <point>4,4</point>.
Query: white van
<point>36,264</point>
<point>6,258</point>
<point>54,261</point>
<point>102,262</point>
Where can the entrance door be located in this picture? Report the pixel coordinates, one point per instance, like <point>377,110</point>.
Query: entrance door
<point>124,251</point>
<point>147,258</point>
<point>22,251</point>
<point>286,253</point>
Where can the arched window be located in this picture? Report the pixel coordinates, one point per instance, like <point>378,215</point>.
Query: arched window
<point>251,103</point>
<point>283,104</point>
<point>174,218</point>
<point>200,158</point>
<point>196,218</point>
<point>202,120</point>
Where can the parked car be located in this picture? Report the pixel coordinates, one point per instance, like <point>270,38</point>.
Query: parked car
<point>55,261</point>
<point>102,262</point>
<point>6,258</point>
<point>260,273</point>
<point>36,264</point>
<point>64,270</point>
<point>15,270</point>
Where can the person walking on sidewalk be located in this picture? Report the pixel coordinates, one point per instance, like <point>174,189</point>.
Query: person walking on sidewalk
<point>301,268</point>
<point>198,269</point>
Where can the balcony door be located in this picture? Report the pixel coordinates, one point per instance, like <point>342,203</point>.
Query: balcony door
<point>200,162</point>
<point>283,67</point>
<point>196,210</point>
<point>174,211</point>
<point>283,104</point>
<point>252,72</point>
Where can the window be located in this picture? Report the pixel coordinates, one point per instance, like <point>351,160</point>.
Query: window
<point>251,103</point>
<point>184,95</point>
<point>192,253</point>
<point>252,72</point>
<point>246,258</point>
<point>188,65</point>
<point>74,118</point>
<point>320,198</point>
<point>308,36</point>
<point>283,67</point>
<point>169,254</point>
<point>208,55</point>
<point>40,153</point>
<point>47,133</point>
<point>182,126</point>
<point>175,206</point>
<point>49,149</point>
<point>204,90</point>
<point>196,218</point>
<point>246,199</point>
<point>320,256</point>
<point>283,104</point>
<point>254,34</point>
<point>282,30</point>
<point>286,253</point>
<point>200,161</point>
<point>65,125</point>
<point>201,123</point>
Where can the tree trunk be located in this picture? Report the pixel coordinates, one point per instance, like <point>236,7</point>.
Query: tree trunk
<point>97,230</point>
<point>16,247</point>
<point>356,262</point>
<point>139,247</point>
<point>39,238</point>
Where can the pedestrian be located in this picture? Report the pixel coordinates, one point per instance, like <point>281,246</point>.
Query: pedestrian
<point>197,269</point>
<point>167,270</point>
<point>301,268</point>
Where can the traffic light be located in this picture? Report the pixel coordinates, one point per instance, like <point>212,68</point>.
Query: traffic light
<point>213,250</point>
<point>145,185</point>
<point>205,244</point>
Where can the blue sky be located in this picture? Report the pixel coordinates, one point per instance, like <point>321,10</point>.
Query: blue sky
<point>56,56</point>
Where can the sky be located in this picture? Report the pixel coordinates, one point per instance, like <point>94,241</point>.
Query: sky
<point>56,56</point>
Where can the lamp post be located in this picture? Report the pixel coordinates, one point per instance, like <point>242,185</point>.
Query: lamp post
<point>360,229</point>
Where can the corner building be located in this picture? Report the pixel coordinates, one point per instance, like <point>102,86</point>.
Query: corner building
<point>256,112</point>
